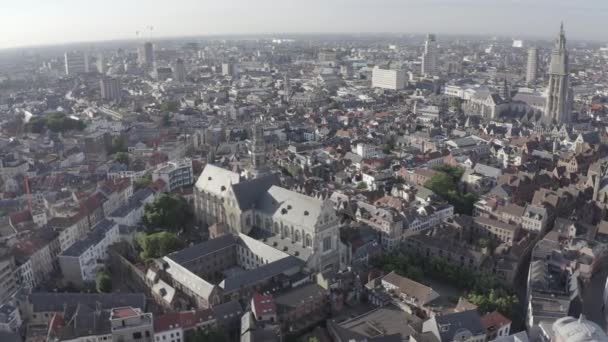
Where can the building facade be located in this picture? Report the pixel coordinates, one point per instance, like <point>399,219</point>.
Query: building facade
<point>388,79</point>
<point>558,104</point>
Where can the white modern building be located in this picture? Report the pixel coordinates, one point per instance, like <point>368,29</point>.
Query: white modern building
<point>175,174</point>
<point>388,78</point>
<point>75,63</point>
<point>80,263</point>
<point>532,66</point>
<point>429,58</point>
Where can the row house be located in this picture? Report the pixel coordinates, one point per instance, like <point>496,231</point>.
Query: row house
<point>80,263</point>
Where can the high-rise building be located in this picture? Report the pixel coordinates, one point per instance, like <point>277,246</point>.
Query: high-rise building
<point>110,88</point>
<point>429,58</point>
<point>101,64</point>
<point>532,68</point>
<point>75,63</point>
<point>179,71</point>
<point>145,55</point>
<point>558,103</point>
<point>229,69</point>
<point>388,79</point>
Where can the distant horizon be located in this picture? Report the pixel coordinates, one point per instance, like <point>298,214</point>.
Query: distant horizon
<point>28,23</point>
<point>278,35</point>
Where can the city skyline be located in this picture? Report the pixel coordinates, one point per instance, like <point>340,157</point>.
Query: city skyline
<point>70,21</point>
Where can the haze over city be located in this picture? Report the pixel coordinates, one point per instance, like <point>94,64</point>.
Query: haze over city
<point>304,171</point>
<point>40,22</point>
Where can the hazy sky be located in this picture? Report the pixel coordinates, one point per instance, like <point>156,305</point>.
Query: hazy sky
<point>34,22</point>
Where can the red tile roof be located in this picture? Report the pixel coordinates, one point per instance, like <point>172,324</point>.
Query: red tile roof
<point>124,312</point>
<point>263,304</point>
<point>184,320</point>
<point>494,319</point>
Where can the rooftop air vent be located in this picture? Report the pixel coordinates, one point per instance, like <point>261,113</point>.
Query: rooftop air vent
<point>305,212</point>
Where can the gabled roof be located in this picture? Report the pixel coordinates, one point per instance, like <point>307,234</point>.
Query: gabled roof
<point>216,180</point>
<point>287,205</point>
<point>248,193</point>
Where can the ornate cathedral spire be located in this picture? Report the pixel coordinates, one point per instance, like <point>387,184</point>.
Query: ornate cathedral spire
<point>558,105</point>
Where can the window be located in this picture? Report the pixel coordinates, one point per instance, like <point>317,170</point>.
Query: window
<point>137,335</point>
<point>327,244</point>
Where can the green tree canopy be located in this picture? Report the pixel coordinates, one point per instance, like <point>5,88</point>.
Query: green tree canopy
<point>362,186</point>
<point>103,282</point>
<point>122,157</point>
<point>55,122</point>
<point>169,106</point>
<point>445,184</point>
<point>157,245</point>
<point>167,212</point>
<point>142,182</point>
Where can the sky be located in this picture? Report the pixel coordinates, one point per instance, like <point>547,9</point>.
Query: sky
<point>43,22</point>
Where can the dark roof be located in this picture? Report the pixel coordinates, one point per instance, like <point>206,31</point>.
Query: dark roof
<point>261,273</point>
<point>54,302</point>
<point>247,193</point>
<point>452,323</point>
<point>6,336</point>
<point>97,234</point>
<point>298,296</point>
<point>228,312</point>
<point>202,249</point>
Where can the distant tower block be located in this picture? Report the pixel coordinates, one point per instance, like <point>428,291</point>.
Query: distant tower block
<point>429,58</point>
<point>532,67</point>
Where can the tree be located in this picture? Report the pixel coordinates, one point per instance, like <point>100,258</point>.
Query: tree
<point>169,106</point>
<point>456,104</point>
<point>55,122</point>
<point>103,282</point>
<point>495,300</point>
<point>167,212</point>
<point>453,171</point>
<point>166,120</point>
<point>118,144</point>
<point>445,184</point>
<point>157,245</point>
<point>362,186</point>
<point>122,157</point>
<point>142,182</point>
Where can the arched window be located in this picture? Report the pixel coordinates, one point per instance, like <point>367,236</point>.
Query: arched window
<point>276,228</point>
<point>308,240</point>
<point>297,236</point>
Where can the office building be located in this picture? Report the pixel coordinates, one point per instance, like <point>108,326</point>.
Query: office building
<point>558,103</point>
<point>8,279</point>
<point>429,58</point>
<point>75,63</point>
<point>110,88</point>
<point>532,68</point>
<point>101,64</point>
<point>388,79</point>
<point>179,71</point>
<point>175,174</point>
<point>230,69</point>
<point>145,55</point>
